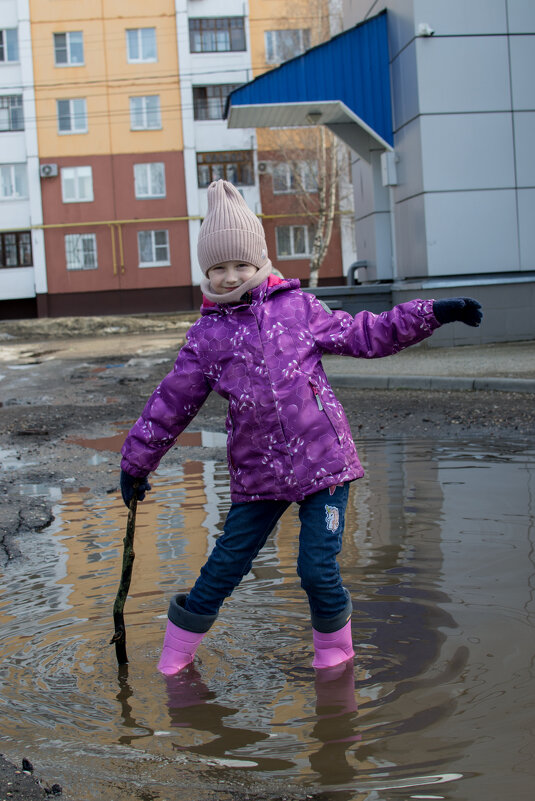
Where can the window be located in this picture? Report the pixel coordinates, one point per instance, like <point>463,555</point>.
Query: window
<point>216,34</point>
<point>9,45</point>
<point>295,176</point>
<point>77,184</point>
<point>72,116</point>
<point>285,44</point>
<point>69,48</point>
<point>16,249</point>
<point>294,241</point>
<point>149,179</point>
<point>81,251</point>
<point>235,166</point>
<point>141,44</point>
<point>145,113</point>
<point>13,181</point>
<point>153,248</point>
<point>11,113</point>
<point>209,101</point>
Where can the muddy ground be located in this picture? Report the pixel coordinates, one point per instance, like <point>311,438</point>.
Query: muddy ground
<point>64,383</point>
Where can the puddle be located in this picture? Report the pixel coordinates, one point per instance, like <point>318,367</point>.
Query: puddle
<point>114,443</point>
<point>10,459</point>
<point>439,559</point>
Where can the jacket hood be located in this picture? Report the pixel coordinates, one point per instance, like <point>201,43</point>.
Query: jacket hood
<point>272,284</point>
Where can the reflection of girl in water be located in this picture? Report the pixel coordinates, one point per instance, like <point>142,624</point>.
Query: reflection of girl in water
<point>259,343</point>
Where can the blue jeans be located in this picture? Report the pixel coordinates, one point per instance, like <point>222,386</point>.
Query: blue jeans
<point>247,527</point>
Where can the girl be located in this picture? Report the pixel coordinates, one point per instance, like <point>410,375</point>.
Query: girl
<point>259,343</point>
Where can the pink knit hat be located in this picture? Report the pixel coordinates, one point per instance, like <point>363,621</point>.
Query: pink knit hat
<point>230,231</point>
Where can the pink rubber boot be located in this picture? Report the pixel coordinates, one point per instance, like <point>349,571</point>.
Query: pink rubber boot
<point>179,648</point>
<point>333,648</point>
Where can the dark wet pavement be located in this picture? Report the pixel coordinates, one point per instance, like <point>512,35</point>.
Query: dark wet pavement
<point>439,559</point>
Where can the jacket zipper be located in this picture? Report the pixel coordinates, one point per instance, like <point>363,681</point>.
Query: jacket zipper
<point>321,408</point>
<point>316,392</point>
<point>230,441</point>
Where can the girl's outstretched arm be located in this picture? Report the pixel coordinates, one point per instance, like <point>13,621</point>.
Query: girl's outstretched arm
<point>172,405</point>
<point>369,335</point>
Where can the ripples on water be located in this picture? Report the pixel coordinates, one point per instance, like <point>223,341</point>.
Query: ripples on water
<point>438,557</point>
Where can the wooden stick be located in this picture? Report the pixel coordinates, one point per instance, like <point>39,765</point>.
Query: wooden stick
<point>119,637</point>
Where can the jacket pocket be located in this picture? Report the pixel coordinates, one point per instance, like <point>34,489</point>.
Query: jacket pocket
<point>317,396</point>
<point>230,442</point>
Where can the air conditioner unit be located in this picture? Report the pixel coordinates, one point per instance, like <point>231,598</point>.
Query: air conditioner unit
<point>48,170</point>
<point>262,166</point>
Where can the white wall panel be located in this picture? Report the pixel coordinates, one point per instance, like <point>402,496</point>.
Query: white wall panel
<point>17,282</point>
<point>467,151</point>
<point>213,8</point>
<point>521,15</point>
<point>9,14</point>
<point>523,72</point>
<point>12,147</point>
<point>404,87</point>
<point>526,220</point>
<point>524,122</point>
<point>450,17</point>
<point>411,250</point>
<point>471,232</point>
<point>207,68</point>
<point>400,25</point>
<point>408,149</point>
<point>362,188</point>
<point>463,74</point>
<point>15,214</point>
<point>215,135</point>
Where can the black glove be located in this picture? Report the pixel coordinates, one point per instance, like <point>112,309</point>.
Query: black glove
<point>127,487</point>
<point>466,310</point>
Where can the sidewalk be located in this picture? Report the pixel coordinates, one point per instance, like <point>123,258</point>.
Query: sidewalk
<point>506,367</point>
<point>503,366</point>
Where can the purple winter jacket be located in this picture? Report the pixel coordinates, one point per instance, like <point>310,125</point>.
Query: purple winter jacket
<point>288,435</point>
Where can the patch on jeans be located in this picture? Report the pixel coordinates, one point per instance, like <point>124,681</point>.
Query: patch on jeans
<point>332,517</point>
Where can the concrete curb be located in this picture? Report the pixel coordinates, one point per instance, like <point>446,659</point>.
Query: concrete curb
<point>436,382</point>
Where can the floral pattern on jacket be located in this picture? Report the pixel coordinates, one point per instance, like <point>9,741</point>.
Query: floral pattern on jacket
<point>288,435</point>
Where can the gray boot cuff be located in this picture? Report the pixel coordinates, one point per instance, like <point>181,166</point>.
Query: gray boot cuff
<point>326,625</point>
<point>199,624</point>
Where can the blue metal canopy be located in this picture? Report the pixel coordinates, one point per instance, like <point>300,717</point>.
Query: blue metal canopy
<point>343,83</point>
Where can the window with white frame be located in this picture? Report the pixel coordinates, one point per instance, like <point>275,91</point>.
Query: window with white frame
<point>141,45</point>
<point>9,44</point>
<point>11,113</point>
<point>153,248</point>
<point>81,251</point>
<point>13,182</point>
<point>295,176</point>
<point>216,34</point>
<point>145,113</point>
<point>149,180</point>
<point>77,184</point>
<point>72,116</point>
<point>284,44</point>
<point>294,241</point>
<point>69,49</point>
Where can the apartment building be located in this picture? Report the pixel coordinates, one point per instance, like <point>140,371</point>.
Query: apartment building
<point>104,182</point>
<point>111,153</point>
<point>22,260</point>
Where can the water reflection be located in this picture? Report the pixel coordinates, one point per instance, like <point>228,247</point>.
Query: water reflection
<point>438,557</point>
